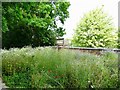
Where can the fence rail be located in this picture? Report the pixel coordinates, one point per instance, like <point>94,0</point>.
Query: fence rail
<point>91,50</point>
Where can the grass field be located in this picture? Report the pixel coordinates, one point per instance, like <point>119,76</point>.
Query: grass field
<point>49,68</point>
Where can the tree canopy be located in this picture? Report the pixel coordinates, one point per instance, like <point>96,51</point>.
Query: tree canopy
<point>32,23</point>
<point>95,29</point>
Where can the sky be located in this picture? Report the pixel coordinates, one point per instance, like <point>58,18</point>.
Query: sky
<point>79,7</point>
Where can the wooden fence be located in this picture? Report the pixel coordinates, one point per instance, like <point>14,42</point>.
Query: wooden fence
<point>90,50</point>
<point>60,44</point>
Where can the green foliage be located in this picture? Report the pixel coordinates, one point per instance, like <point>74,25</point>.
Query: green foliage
<point>32,23</point>
<point>49,68</point>
<point>95,30</point>
<point>118,37</point>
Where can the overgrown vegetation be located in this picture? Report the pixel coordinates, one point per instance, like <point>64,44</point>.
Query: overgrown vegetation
<point>95,29</point>
<point>49,68</point>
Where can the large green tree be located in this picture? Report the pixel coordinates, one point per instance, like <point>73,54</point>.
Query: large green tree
<point>32,23</point>
<point>95,30</point>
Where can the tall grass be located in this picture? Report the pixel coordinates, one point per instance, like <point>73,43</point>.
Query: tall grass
<point>49,68</point>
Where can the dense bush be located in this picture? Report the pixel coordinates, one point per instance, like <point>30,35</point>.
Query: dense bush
<point>95,30</point>
<point>32,23</point>
<point>49,68</point>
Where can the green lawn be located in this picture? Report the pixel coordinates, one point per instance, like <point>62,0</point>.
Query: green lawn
<point>49,68</point>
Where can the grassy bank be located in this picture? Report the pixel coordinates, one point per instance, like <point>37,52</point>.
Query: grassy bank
<point>49,68</point>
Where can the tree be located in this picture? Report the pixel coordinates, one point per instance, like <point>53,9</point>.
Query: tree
<point>95,30</point>
<point>119,37</point>
<point>32,23</point>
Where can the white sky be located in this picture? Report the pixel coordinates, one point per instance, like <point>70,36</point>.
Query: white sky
<point>79,7</point>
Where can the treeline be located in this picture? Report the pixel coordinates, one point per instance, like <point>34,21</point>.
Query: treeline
<point>32,23</point>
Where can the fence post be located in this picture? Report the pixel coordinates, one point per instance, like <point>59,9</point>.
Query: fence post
<point>60,43</point>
